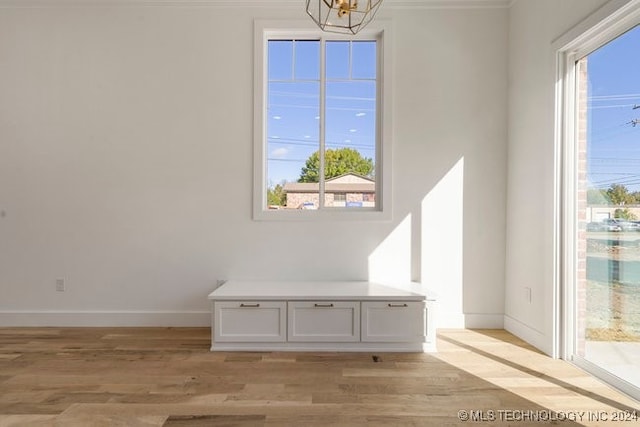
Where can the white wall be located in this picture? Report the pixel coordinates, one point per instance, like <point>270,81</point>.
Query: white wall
<point>126,164</point>
<point>531,214</point>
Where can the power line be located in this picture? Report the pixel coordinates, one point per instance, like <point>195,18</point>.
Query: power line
<point>312,142</point>
<point>600,107</point>
<point>614,97</point>
<point>274,159</point>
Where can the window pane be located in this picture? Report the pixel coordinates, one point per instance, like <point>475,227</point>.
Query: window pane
<point>608,276</point>
<point>293,120</point>
<point>280,59</point>
<point>307,60</point>
<point>350,144</point>
<point>363,60</point>
<point>292,137</point>
<point>337,59</point>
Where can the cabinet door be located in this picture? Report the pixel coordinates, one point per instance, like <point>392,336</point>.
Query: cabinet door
<point>393,321</point>
<point>249,321</point>
<point>324,321</point>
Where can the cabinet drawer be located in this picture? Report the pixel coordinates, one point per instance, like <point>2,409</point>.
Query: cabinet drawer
<point>249,321</point>
<point>324,321</point>
<point>393,321</point>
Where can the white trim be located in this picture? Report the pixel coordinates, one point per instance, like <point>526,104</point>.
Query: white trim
<point>484,321</point>
<point>379,30</point>
<point>51,318</point>
<point>565,185</point>
<point>606,376</point>
<point>528,334</point>
<point>448,4</point>
<point>263,4</point>
<point>598,28</point>
<point>451,320</point>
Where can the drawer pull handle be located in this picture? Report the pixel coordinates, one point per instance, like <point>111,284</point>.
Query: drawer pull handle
<point>397,305</point>
<point>250,305</point>
<point>323,305</point>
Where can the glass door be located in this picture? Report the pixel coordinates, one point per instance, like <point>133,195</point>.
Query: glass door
<point>607,247</point>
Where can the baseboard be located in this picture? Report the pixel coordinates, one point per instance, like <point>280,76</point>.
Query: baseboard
<point>195,318</point>
<point>470,321</point>
<point>527,333</point>
<point>104,318</point>
<point>484,321</point>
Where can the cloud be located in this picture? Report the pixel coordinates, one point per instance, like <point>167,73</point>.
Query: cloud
<point>279,153</point>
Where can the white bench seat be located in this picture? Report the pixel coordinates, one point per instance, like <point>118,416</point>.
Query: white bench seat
<point>321,316</point>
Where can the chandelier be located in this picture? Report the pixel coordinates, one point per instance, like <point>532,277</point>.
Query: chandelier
<point>342,16</point>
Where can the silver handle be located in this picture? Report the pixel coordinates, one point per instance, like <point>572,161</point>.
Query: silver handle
<point>250,305</point>
<point>323,305</point>
<point>397,305</point>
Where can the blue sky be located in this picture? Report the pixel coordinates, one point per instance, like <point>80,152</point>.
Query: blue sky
<point>293,131</point>
<point>614,91</point>
<point>294,100</point>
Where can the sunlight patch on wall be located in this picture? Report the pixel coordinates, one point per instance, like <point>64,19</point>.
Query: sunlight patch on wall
<point>442,244</point>
<point>390,262</point>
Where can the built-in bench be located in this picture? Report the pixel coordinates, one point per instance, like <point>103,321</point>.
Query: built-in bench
<point>321,316</point>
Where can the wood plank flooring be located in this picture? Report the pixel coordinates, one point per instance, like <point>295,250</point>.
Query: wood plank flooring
<point>168,377</point>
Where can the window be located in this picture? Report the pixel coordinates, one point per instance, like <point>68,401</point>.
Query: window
<point>322,128</point>
<point>601,98</point>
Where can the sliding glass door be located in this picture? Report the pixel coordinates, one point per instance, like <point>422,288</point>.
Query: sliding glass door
<point>606,205</point>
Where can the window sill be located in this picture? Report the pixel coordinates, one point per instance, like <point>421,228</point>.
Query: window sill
<point>333,214</point>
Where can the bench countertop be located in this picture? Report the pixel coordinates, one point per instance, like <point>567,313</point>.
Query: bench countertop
<point>324,290</point>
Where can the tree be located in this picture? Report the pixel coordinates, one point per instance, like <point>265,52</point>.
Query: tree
<point>619,195</point>
<point>624,214</point>
<point>276,195</point>
<point>336,162</point>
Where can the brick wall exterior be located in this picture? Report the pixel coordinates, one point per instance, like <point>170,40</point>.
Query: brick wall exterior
<point>295,200</point>
<point>581,243</point>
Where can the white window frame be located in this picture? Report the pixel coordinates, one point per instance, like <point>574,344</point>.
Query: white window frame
<point>606,24</point>
<point>378,30</point>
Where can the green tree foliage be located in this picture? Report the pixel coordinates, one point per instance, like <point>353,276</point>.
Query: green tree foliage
<point>276,195</point>
<point>619,195</point>
<point>624,214</point>
<point>616,194</point>
<point>337,162</point>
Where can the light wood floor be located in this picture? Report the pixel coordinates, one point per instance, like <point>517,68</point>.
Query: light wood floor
<point>168,377</point>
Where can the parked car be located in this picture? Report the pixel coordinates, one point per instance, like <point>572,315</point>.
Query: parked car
<point>612,224</point>
<point>604,225</point>
<point>307,205</point>
<point>628,225</point>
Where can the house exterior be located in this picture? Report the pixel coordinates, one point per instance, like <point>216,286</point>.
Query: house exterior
<point>348,190</point>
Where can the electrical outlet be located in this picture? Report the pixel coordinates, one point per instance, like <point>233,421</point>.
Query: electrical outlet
<point>60,284</point>
<point>527,295</point>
